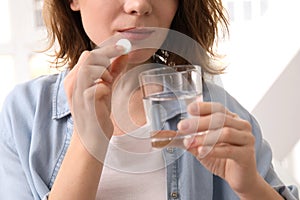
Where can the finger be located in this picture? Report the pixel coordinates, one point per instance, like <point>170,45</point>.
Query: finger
<point>93,114</point>
<point>219,151</point>
<point>102,56</point>
<point>103,94</point>
<point>199,108</point>
<point>204,151</point>
<point>221,136</point>
<point>118,65</point>
<point>211,122</point>
<point>93,74</point>
<point>232,152</point>
<point>97,92</point>
<point>87,58</point>
<point>95,69</point>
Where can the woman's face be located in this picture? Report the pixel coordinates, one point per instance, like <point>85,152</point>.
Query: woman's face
<point>105,18</point>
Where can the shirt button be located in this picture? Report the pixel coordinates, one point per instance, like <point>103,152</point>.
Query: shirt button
<point>170,150</point>
<point>174,195</point>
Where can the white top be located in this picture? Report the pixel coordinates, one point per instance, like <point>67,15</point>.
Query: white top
<point>133,170</point>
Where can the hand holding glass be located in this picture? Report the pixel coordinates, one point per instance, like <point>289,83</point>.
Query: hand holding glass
<point>166,93</point>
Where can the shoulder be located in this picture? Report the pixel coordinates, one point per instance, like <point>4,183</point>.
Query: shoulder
<point>31,90</point>
<point>25,96</point>
<point>26,99</point>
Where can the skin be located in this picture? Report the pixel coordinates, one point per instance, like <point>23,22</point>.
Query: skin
<point>82,181</point>
<point>227,159</point>
<point>232,155</point>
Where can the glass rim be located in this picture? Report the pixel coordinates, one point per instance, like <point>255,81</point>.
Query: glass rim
<point>189,68</point>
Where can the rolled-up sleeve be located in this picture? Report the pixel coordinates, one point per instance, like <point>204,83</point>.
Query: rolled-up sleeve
<point>288,192</point>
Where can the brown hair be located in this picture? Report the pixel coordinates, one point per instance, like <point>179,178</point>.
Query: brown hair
<point>198,19</point>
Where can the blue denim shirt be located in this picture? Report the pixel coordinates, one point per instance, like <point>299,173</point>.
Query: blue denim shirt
<point>35,131</point>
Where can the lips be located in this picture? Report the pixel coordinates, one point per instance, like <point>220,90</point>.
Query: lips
<point>137,33</point>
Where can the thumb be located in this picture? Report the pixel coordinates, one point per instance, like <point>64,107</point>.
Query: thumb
<point>118,65</point>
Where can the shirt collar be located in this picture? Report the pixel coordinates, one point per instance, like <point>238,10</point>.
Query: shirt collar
<point>60,106</point>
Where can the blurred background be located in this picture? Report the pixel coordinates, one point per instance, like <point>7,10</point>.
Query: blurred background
<point>263,56</point>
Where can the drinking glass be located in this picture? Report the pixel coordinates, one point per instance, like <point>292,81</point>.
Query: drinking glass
<point>167,91</point>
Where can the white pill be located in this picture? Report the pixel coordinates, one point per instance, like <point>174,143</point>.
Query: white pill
<point>126,44</point>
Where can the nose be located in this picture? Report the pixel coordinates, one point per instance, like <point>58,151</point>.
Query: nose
<point>138,7</point>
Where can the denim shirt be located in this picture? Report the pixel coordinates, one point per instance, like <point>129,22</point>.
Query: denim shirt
<point>35,132</point>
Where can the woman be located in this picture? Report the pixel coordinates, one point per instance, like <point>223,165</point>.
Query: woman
<point>43,121</point>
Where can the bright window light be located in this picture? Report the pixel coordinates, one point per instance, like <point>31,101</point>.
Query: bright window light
<point>5,33</point>
<point>6,76</point>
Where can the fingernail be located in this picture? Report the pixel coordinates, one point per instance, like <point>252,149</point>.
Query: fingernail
<point>187,142</point>
<point>183,125</point>
<point>193,107</point>
<point>236,116</point>
<point>120,48</point>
